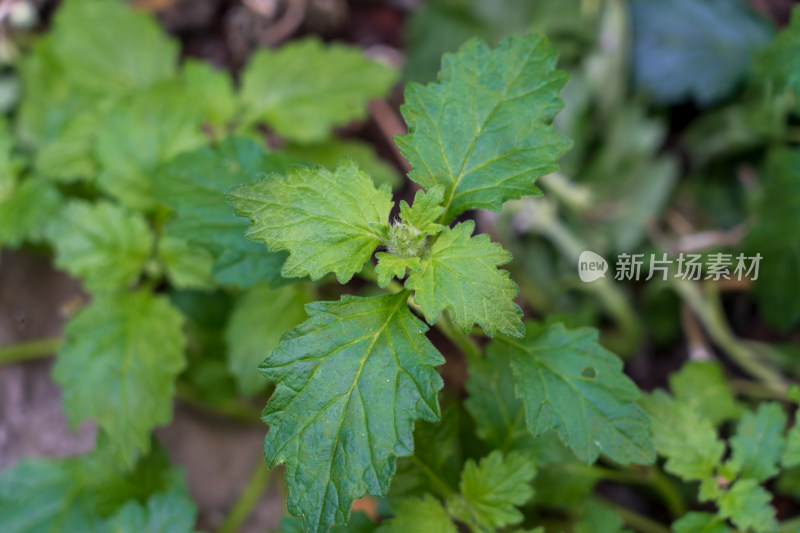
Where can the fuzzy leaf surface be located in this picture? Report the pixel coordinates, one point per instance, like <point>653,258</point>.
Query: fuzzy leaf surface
<point>461,275</point>
<point>759,442</point>
<point>418,514</point>
<point>483,130</point>
<point>747,505</point>
<point>491,490</point>
<point>194,185</point>
<point>350,382</point>
<point>104,244</point>
<point>570,383</point>
<point>688,441</point>
<point>305,88</point>
<point>259,319</point>
<point>327,221</point>
<point>110,48</point>
<point>118,366</point>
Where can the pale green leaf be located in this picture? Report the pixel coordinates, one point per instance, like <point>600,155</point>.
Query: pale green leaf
<point>774,233</point>
<point>109,48</point>
<point>461,274</point>
<point>414,515</point>
<point>747,505</point>
<point>329,153</point>
<point>791,454</point>
<point>759,442</point>
<point>688,441</point>
<point>259,319</point>
<point>391,266</point>
<point>328,222</point>
<point>702,385</point>
<point>570,383</point>
<point>599,518</point>
<point>483,131</point>
<point>426,209</point>
<point>141,132</point>
<point>104,244</point>
<point>194,185</point>
<point>350,382</point>
<point>187,266</point>
<point>305,88</point>
<point>118,365</point>
<point>26,208</point>
<point>212,90</point>
<point>166,512</point>
<point>76,495</point>
<point>694,522</point>
<point>435,466</point>
<point>499,415</point>
<point>491,490</point>
<point>70,156</point>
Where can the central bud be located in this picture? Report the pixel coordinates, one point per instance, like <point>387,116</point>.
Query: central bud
<point>406,240</point>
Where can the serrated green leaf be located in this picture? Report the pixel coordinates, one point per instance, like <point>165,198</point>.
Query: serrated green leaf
<point>391,266</point>
<point>779,63</point>
<point>791,454</point>
<point>141,132</point>
<point>569,382</point>
<point>70,157</point>
<point>491,491</point>
<point>413,515</point>
<point>194,185</point>
<point>461,274</point>
<point>702,386</point>
<point>694,522</point>
<point>328,222</point>
<point>109,48</point>
<point>688,441</point>
<point>104,244</point>
<point>259,319</point>
<point>435,466</point>
<point>187,266</point>
<point>499,415</point>
<point>350,382</point>
<point>775,235</point>
<point>305,88</point>
<point>211,89</point>
<point>483,130</point>
<point>166,512</point>
<point>118,365</point>
<point>329,153</point>
<point>426,209</point>
<point>747,505</point>
<point>26,208</point>
<point>759,443</point>
<point>76,495</point>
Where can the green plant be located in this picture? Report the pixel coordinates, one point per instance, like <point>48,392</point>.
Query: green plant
<point>402,361</point>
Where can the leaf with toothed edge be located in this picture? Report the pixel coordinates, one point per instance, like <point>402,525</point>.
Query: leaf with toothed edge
<point>350,382</point>
<point>569,382</point>
<point>461,274</point>
<point>483,130</point>
<point>327,221</point>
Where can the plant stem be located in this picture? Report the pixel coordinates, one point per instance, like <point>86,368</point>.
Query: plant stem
<point>248,498</point>
<point>708,309</point>
<point>651,477</point>
<point>27,351</point>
